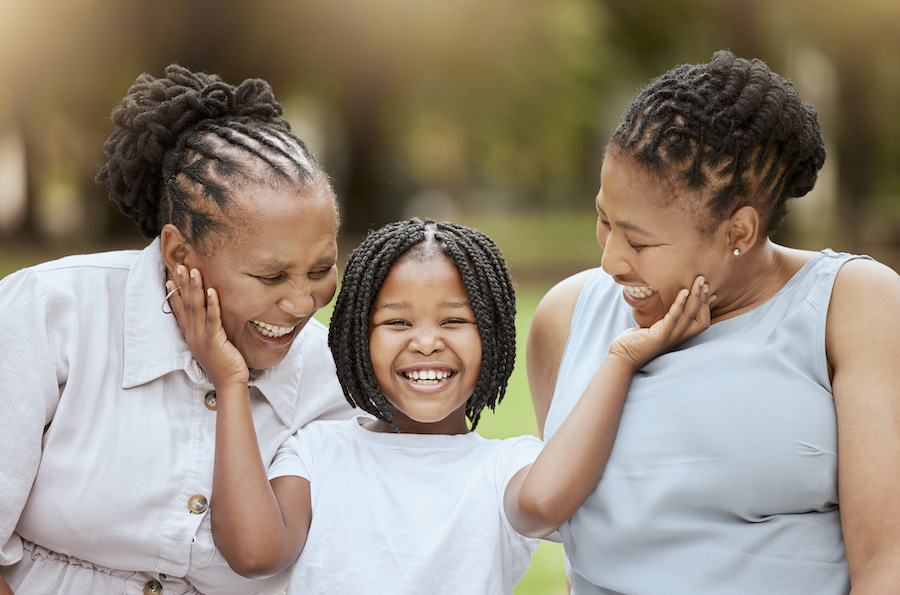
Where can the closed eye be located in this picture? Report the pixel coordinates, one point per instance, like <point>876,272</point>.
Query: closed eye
<point>395,323</point>
<point>320,273</point>
<point>273,279</point>
<point>457,321</point>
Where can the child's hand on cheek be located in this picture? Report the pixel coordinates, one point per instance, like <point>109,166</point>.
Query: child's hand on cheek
<point>687,317</point>
<point>200,319</point>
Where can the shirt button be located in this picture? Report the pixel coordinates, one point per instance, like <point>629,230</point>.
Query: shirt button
<point>152,587</point>
<point>210,400</point>
<point>198,504</point>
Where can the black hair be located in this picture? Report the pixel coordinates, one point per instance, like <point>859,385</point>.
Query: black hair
<point>488,286</point>
<point>732,124</point>
<point>186,141</point>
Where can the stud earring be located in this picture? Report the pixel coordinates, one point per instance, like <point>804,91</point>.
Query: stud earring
<point>736,252</point>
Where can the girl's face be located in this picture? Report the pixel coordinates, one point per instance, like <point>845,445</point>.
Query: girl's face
<point>651,241</point>
<point>425,346</point>
<point>276,268</point>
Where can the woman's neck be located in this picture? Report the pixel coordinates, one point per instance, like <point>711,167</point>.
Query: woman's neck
<point>755,277</point>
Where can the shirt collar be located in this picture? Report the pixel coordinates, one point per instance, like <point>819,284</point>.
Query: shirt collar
<point>154,345</point>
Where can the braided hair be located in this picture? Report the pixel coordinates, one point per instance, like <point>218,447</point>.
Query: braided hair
<point>185,142</point>
<point>732,124</point>
<point>488,286</point>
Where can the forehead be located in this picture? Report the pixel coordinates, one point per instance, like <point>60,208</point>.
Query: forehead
<point>421,277</point>
<point>279,223</point>
<point>628,186</point>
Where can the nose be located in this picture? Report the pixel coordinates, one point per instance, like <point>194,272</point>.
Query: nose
<point>426,339</point>
<point>298,300</point>
<point>614,259</point>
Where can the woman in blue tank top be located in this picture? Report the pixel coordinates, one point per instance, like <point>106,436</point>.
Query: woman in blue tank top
<point>763,455</point>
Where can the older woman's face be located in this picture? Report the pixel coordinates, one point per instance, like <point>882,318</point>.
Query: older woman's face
<point>651,242</point>
<point>274,270</point>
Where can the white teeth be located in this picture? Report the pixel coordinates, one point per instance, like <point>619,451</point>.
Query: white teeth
<point>641,292</point>
<point>427,376</point>
<point>271,330</point>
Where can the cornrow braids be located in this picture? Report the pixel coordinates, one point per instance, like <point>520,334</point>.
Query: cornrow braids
<point>185,142</point>
<point>732,124</point>
<point>488,286</point>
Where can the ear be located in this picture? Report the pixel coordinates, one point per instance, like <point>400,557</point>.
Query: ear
<point>743,229</point>
<point>174,247</point>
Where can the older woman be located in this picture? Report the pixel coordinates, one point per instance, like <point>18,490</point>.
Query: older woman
<point>108,423</point>
<point>763,455</point>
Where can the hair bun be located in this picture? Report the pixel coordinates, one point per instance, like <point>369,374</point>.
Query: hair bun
<point>154,116</point>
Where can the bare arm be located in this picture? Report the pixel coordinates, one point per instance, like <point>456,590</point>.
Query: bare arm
<point>4,587</point>
<point>544,495</point>
<point>863,346</point>
<point>547,339</point>
<point>259,527</point>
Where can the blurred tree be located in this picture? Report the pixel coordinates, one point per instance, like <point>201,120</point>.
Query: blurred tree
<point>498,105</point>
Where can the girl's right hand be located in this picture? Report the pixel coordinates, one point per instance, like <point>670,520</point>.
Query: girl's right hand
<point>687,317</point>
<point>200,319</point>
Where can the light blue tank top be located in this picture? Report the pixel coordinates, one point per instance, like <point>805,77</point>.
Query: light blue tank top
<point>723,477</point>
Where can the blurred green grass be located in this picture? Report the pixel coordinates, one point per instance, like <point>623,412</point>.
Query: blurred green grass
<point>540,250</point>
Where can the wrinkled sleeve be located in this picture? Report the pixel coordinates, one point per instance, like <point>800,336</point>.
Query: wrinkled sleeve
<point>293,456</point>
<point>516,453</point>
<point>30,377</point>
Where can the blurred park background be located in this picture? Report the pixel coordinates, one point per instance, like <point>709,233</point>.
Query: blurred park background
<point>491,113</point>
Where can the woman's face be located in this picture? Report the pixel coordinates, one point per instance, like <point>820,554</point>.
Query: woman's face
<point>650,238</point>
<point>275,267</point>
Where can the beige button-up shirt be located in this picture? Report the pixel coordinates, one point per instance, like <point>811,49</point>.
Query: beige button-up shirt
<point>107,440</point>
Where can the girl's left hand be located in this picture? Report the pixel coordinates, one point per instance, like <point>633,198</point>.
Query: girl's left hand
<point>687,317</point>
<point>200,319</point>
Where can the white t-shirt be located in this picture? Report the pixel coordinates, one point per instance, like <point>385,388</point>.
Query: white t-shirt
<point>107,433</point>
<point>406,513</point>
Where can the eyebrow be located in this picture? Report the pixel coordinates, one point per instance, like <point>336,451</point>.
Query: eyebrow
<point>401,305</point>
<point>279,265</point>
<point>625,224</point>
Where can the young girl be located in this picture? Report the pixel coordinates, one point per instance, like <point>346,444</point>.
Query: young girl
<point>411,500</point>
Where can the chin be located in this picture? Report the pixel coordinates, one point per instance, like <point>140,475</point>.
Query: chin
<point>645,320</point>
<point>259,364</point>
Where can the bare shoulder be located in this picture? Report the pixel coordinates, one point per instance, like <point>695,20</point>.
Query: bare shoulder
<point>547,339</point>
<point>864,288</point>
<point>864,312</point>
<point>554,312</point>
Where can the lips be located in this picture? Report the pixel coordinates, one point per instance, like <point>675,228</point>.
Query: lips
<point>640,292</point>
<point>429,376</point>
<point>639,297</point>
<point>271,330</point>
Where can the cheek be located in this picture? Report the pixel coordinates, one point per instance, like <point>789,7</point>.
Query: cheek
<point>233,322</point>
<point>326,290</point>
<point>238,307</point>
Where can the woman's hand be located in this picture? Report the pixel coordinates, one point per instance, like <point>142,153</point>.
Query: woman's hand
<point>686,318</point>
<point>200,319</point>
